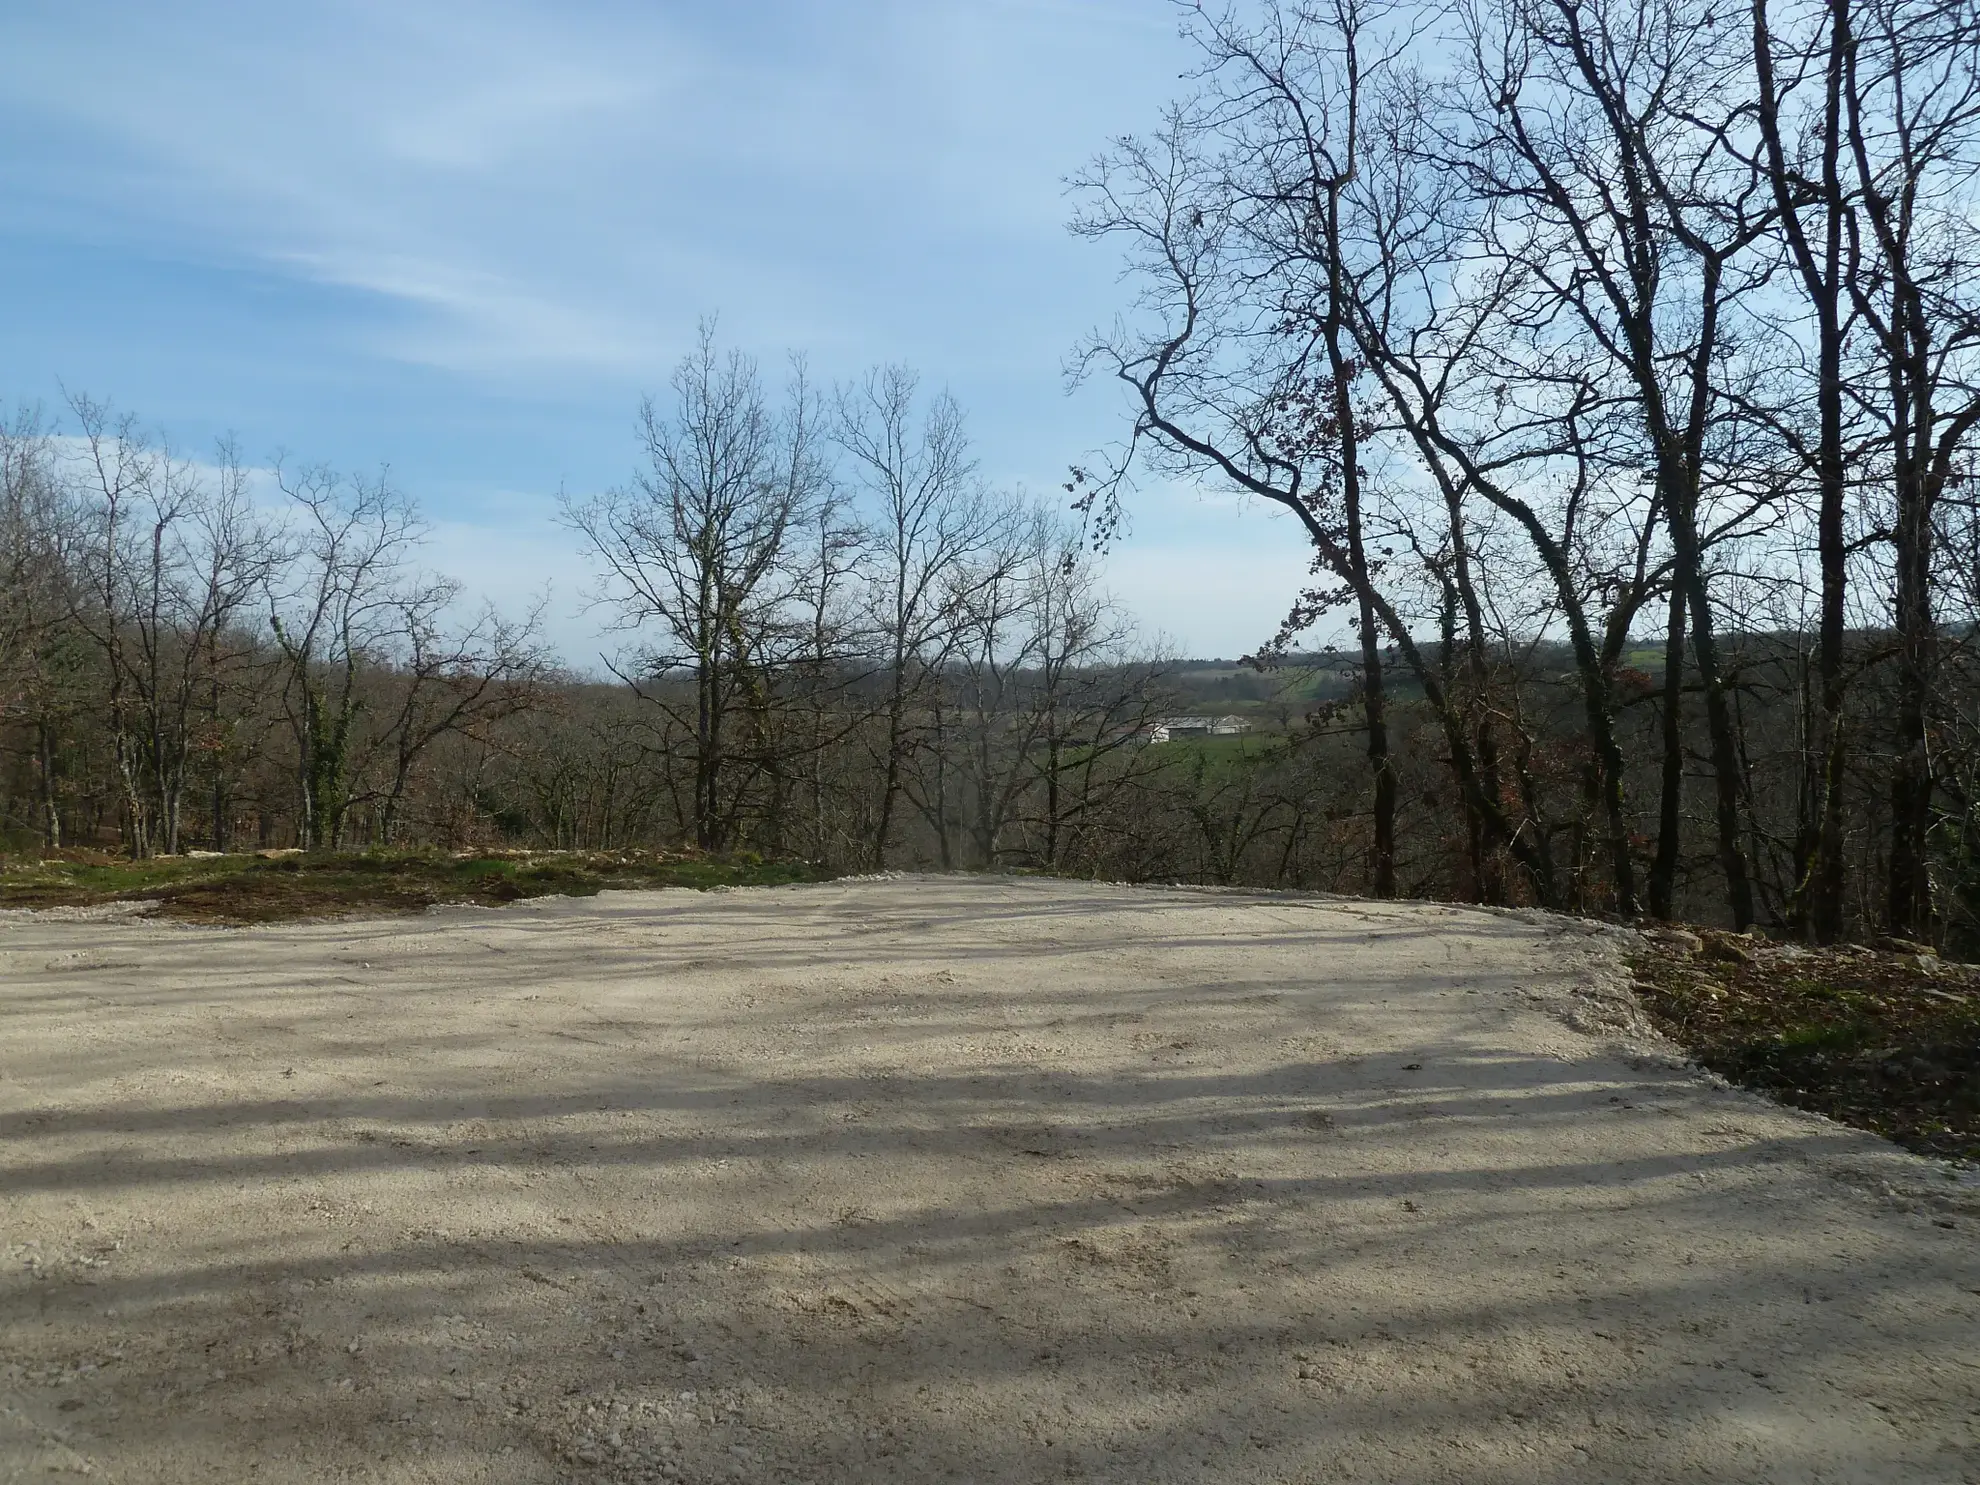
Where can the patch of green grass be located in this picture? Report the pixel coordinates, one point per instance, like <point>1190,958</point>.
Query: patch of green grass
<point>1219,754</point>
<point>324,884</point>
<point>1796,1040</point>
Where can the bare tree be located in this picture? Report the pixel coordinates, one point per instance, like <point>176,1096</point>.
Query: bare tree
<point>178,554</point>
<point>202,557</point>
<point>334,605</point>
<point>827,668</point>
<point>1805,172</point>
<point>696,559</point>
<point>118,464</point>
<point>929,520</point>
<point>1093,698</point>
<point>1599,138</point>
<point>450,680</point>
<point>39,562</point>
<point>1911,103</point>
<point>1223,217</point>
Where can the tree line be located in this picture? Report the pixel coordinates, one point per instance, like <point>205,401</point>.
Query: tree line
<point>840,644</point>
<point>1638,332</point>
<point>180,655</point>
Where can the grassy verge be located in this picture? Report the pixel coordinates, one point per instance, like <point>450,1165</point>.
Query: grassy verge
<point>330,884</point>
<point>1881,1040</point>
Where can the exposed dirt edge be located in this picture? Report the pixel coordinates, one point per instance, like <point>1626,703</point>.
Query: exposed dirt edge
<point>1603,999</point>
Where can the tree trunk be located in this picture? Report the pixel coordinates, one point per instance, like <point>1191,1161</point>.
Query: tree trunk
<point>222,833</point>
<point>1818,901</point>
<point>707,758</point>
<point>891,784</point>
<point>51,813</point>
<point>941,821</point>
<point>1052,800</point>
<point>1725,744</point>
<point>1670,802</point>
<point>1825,898</point>
<point>1382,865</point>
<point>1908,910</point>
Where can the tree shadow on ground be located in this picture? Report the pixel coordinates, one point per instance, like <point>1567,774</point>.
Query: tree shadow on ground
<point>697,1246</point>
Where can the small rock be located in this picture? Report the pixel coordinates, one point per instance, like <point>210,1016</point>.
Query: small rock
<point>1728,948</point>
<point>1678,940</point>
<point>1907,946</point>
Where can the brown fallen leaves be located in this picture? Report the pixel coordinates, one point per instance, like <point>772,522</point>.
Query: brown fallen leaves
<point>1882,1039</point>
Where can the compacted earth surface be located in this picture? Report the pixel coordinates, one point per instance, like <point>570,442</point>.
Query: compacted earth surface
<point>937,1180</point>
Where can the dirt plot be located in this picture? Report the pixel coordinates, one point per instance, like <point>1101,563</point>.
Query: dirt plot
<point>930,1180</point>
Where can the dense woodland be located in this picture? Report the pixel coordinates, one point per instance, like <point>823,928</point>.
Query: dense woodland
<point>1619,361</point>
<point>1637,335</point>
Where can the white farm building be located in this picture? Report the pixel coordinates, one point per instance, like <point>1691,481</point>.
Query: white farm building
<point>1173,727</point>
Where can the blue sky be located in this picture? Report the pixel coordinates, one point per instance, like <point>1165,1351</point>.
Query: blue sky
<point>461,237</point>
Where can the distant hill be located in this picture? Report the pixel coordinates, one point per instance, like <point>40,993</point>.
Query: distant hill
<point>1296,682</point>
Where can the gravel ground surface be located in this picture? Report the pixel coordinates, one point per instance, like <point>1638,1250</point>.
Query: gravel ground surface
<point>936,1180</point>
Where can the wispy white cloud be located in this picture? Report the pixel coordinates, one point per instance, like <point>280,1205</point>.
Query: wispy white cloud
<point>550,184</point>
<point>512,199</point>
